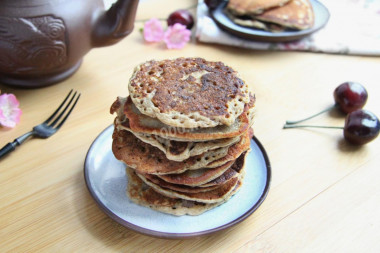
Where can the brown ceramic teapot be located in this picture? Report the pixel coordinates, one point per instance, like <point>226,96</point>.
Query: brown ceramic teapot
<point>43,41</point>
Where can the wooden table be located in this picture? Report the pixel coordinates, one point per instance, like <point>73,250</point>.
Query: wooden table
<point>324,195</point>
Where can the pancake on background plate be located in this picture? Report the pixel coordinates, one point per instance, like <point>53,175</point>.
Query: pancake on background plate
<point>297,14</point>
<point>252,7</point>
<point>183,132</point>
<point>294,15</point>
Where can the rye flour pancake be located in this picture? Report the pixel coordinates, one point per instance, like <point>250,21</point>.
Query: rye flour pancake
<point>297,14</point>
<point>180,150</point>
<point>179,188</point>
<point>148,159</point>
<point>130,118</point>
<point>214,196</point>
<point>144,195</point>
<point>207,176</point>
<point>188,92</point>
<point>250,7</point>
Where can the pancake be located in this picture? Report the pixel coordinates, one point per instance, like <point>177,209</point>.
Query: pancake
<point>201,177</point>
<point>297,14</point>
<point>188,92</point>
<point>249,7</point>
<point>234,153</point>
<point>237,169</point>
<point>147,159</point>
<point>144,195</point>
<point>214,196</point>
<point>197,177</point>
<point>179,188</point>
<point>179,150</point>
<point>248,21</point>
<point>222,179</point>
<point>131,118</point>
<point>250,109</point>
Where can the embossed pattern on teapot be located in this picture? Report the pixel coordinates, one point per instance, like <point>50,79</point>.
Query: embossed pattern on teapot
<point>43,42</point>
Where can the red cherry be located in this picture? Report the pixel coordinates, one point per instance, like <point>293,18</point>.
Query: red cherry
<point>350,96</point>
<point>183,17</point>
<point>361,126</point>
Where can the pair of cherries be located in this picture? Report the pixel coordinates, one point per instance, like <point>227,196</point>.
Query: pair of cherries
<point>361,126</point>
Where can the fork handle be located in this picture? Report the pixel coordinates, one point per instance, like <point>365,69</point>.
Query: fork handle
<point>8,148</point>
<point>17,142</point>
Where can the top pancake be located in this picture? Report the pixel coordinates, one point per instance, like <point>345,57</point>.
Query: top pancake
<point>188,92</point>
<point>249,7</point>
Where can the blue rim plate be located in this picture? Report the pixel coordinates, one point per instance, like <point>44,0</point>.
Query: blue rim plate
<point>106,181</point>
<point>321,15</point>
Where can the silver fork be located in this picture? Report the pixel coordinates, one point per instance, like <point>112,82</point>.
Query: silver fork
<point>46,128</point>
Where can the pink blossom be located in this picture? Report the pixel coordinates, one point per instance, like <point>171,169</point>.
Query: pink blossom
<point>9,111</point>
<point>153,31</point>
<point>177,36</point>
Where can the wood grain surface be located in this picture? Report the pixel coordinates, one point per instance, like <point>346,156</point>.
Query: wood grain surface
<point>324,195</point>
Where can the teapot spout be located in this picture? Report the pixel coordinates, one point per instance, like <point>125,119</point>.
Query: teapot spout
<point>115,23</point>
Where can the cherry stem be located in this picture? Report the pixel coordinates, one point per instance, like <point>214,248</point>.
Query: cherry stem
<point>291,122</point>
<point>313,126</point>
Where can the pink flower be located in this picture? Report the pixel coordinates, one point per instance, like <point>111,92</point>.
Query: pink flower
<point>153,31</point>
<point>9,111</point>
<point>176,36</point>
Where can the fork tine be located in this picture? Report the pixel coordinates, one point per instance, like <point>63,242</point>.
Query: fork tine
<point>59,108</point>
<point>69,112</point>
<point>63,111</point>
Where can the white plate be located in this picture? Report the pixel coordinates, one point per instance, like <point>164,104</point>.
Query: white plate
<point>321,17</point>
<point>106,180</point>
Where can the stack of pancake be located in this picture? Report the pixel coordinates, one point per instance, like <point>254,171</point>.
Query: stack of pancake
<point>272,15</point>
<point>183,132</point>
